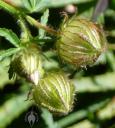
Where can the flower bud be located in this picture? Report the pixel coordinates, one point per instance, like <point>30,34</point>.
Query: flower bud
<point>27,64</point>
<point>55,92</point>
<point>80,42</point>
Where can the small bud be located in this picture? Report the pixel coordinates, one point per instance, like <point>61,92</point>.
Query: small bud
<point>71,9</point>
<point>81,42</point>
<point>55,92</point>
<point>27,64</point>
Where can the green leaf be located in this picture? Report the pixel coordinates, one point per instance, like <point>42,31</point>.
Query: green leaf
<point>30,5</point>
<point>12,108</point>
<point>57,3</point>
<point>98,83</point>
<point>27,5</point>
<point>33,3</point>
<point>10,36</point>
<point>40,5</point>
<point>81,114</point>
<point>111,59</point>
<point>108,111</point>
<point>4,80</point>
<point>84,124</point>
<point>48,118</point>
<point>44,20</point>
<point>8,52</point>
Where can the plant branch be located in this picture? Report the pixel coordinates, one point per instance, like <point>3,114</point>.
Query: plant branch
<point>8,7</point>
<point>37,24</point>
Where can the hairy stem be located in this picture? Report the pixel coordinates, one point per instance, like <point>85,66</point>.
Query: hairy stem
<point>37,24</point>
<point>8,7</point>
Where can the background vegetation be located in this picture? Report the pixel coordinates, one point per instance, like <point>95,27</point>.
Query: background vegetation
<point>95,104</point>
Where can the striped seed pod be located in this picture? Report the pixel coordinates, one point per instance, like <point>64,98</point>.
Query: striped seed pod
<point>55,92</point>
<point>80,42</point>
<point>27,63</point>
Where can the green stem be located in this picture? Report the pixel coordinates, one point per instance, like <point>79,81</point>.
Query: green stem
<point>8,7</point>
<point>25,34</point>
<point>37,24</point>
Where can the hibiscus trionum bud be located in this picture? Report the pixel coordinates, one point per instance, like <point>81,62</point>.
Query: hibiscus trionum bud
<point>80,42</point>
<point>55,92</point>
<point>27,63</point>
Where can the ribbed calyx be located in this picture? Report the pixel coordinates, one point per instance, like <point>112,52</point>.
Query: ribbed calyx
<point>55,92</point>
<point>80,42</point>
<point>27,63</point>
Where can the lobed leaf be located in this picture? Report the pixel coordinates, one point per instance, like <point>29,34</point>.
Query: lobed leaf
<point>8,52</point>
<point>40,5</point>
<point>12,108</point>
<point>81,114</point>
<point>10,36</point>
<point>48,118</point>
<point>57,3</point>
<point>99,83</point>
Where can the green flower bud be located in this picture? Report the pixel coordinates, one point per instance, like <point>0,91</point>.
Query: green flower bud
<point>27,63</point>
<point>55,92</point>
<point>80,42</point>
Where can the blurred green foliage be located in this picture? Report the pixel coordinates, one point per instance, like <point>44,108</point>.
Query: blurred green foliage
<point>95,99</point>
